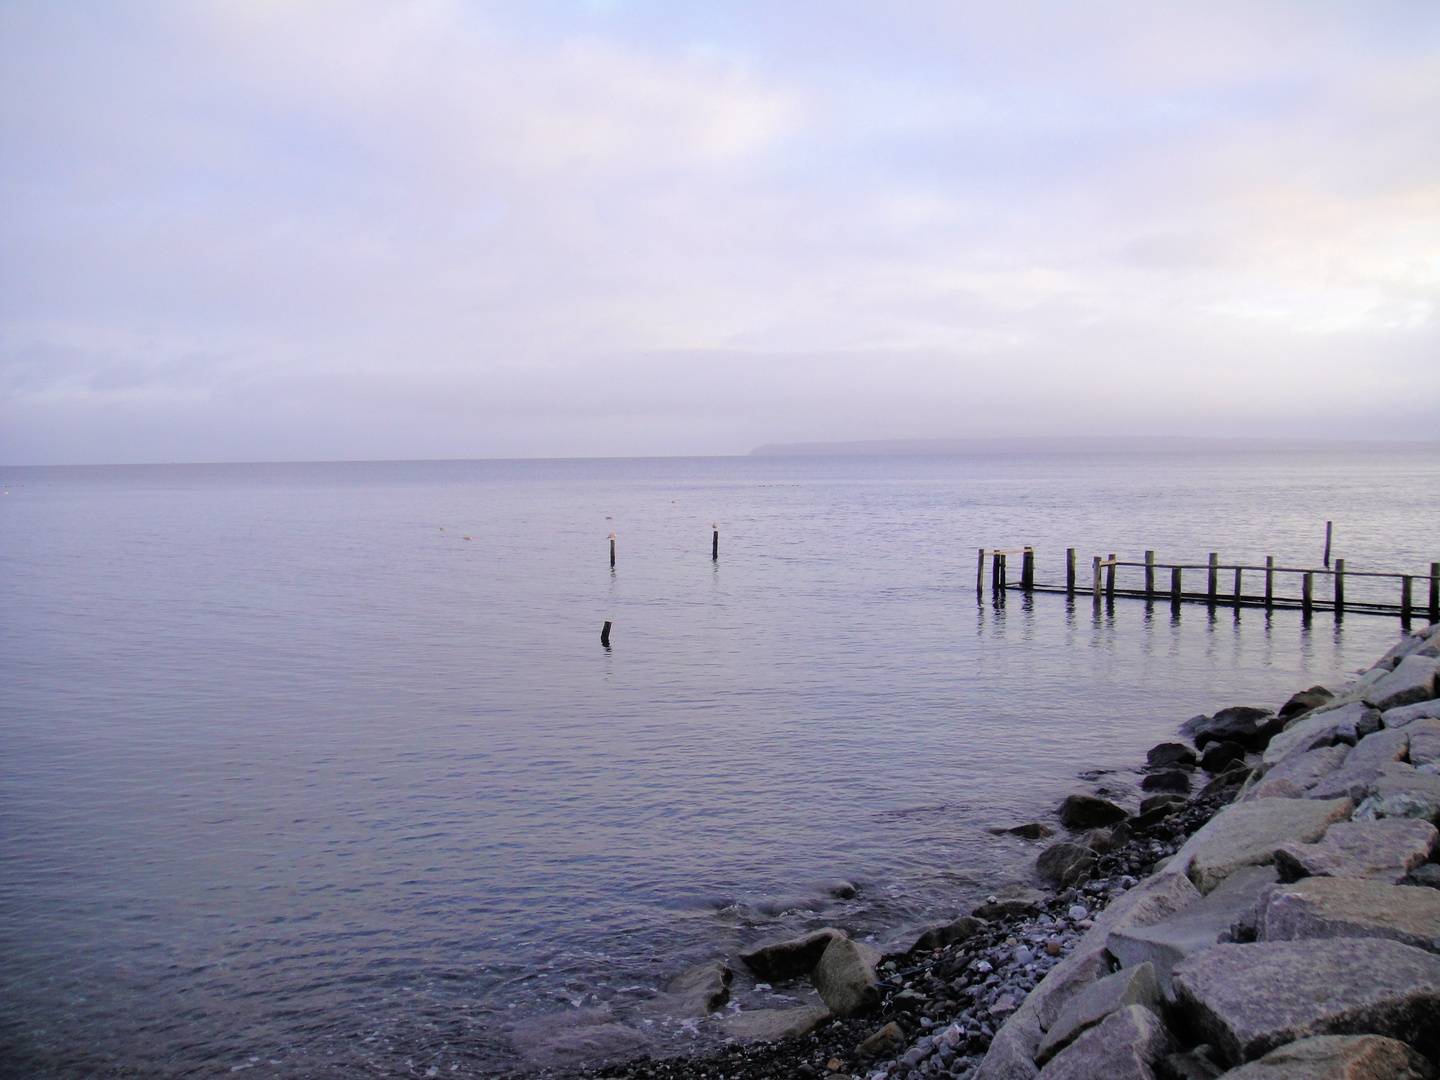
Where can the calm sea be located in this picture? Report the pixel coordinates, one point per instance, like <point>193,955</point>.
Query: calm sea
<point>318,769</point>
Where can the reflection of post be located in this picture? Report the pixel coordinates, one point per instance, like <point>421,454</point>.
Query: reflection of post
<point>1175,587</point>
<point>1327,544</point>
<point>1307,604</point>
<point>1149,574</point>
<point>1339,587</point>
<point>1070,572</point>
<point>1405,601</point>
<point>1269,582</point>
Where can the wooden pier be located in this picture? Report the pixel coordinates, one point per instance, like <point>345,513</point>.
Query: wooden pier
<point>1224,584</point>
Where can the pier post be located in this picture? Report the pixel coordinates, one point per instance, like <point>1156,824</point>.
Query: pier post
<point>980,574</point>
<point>1237,588</point>
<point>1328,525</point>
<point>1027,570</point>
<point>1175,588</point>
<point>1149,574</point>
<point>1004,582</point>
<point>605,634</point>
<point>715,544</point>
<point>1110,579</point>
<point>1269,582</point>
<point>1435,592</point>
<point>1307,601</point>
<point>1097,579</point>
<point>612,551</point>
<point>1214,577</point>
<point>1339,587</point>
<point>1405,602</point>
<point>1070,575</point>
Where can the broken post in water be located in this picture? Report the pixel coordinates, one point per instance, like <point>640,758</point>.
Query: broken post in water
<point>605,634</point>
<point>612,551</point>
<point>715,543</point>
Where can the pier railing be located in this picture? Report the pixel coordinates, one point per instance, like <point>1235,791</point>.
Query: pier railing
<point>1224,584</point>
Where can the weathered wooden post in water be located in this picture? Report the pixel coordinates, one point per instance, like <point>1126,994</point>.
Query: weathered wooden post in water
<point>1405,601</point>
<point>1339,587</point>
<point>605,634</point>
<point>980,575</point>
<point>1214,577</point>
<point>1237,588</point>
<point>715,543</point>
<point>1027,570</point>
<point>1004,581</point>
<point>1307,601</point>
<point>612,551</point>
<point>1149,574</point>
<point>1328,524</point>
<point>1110,579</point>
<point>1435,592</point>
<point>997,561</point>
<point>1070,574</point>
<point>1097,579</point>
<point>1175,588</point>
<point>1269,582</point>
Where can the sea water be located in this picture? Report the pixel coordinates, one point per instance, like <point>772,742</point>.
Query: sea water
<point>309,769</point>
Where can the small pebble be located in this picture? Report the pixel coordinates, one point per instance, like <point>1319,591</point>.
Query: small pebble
<point>1053,948</point>
<point>1077,911</point>
<point>1023,955</point>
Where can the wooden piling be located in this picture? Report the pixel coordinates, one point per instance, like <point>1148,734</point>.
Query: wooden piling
<point>1435,592</point>
<point>715,543</point>
<point>1097,579</point>
<point>1405,601</point>
<point>995,560</point>
<point>1175,587</point>
<point>1214,576</point>
<point>1027,570</point>
<point>605,634</point>
<point>612,551</point>
<point>1110,579</point>
<point>980,574</point>
<point>1237,588</point>
<point>1307,601</point>
<point>1070,575</point>
<point>1149,574</point>
<point>1269,582</point>
<point>1328,525</point>
<point>1339,587</point>
<point>1003,582</point>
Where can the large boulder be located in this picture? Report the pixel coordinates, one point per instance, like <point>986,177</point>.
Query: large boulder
<point>1347,723</point>
<point>1384,850</point>
<point>1355,908</point>
<point>1246,1000</point>
<point>1176,780</point>
<point>1218,755</point>
<point>1412,681</point>
<point>1398,785</point>
<point>1304,701</point>
<point>1407,714</point>
<point>788,959</point>
<point>698,991</point>
<point>1133,986</point>
<point>845,977</point>
<point>1424,742</point>
<point>1357,778</point>
<point>1089,812</point>
<point>1247,834</point>
<point>1169,753</point>
<point>1299,773</point>
<point>772,1025</point>
<point>1251,728</point>
<point>1065,864</point>
<point>1125,1046</point>
<point>1338,1057</point>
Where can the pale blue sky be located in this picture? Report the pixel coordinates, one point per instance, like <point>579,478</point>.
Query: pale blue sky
<point>280,230</point>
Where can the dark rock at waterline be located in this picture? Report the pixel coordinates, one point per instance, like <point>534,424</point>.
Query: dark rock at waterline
<point>1304,701</point>
<point>1088,812</point>
<point>843,890</point>
<point>1165,798</point>
<point>1065,864</point>
<point>1170,753</point>
<point>1008,909</point>
<point>1167,780</point>
<point>789,959</point>
<point>1220,754</point>
<point>937,937</point>
<point>1097,840</point>
<point>885,1041</point>
<point>697,992</point>
<point>1032,831</point>
<point>1251,728</point>
<point>845,977</point>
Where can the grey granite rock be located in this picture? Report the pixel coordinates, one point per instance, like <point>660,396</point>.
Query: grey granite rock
<point>1125,1046</point>
<point>1424,741</point>
<point>1298,773</point>
<point>1357,777</point>
<point>788,959</point>
<point>1358,908</point>
<point>1381,850</point>
<point>1407,714</point>
<point>1198,927</point>
<point>1323,728</point>
<point>1412,681</point>
<point>1338,1057</point>
<point>1247,834</point>
<point>845,977</point>
<point>1133,986</point>
<point>772,1025</point>
<point>1400,779</point>
<point>1247,1000</point>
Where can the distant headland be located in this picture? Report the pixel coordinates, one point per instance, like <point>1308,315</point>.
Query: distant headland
<point>1077,444</point>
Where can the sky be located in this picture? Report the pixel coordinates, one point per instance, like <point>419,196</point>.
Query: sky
<point>294,230</point>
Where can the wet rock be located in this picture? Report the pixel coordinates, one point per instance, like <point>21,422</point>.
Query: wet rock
<point>1339,1057</point>
<point>1247,1000</point>
<point>1298,773</point>
<point>1407,714</point>
<point>1304,701</point>
<point>843,890</point>
<point>788,959</point>
<point>1334,907</point>
<point>845,977</point>
<point>1412,681</point>
<point>1136,986</point>
<point>1251,728</point>
<point>1017,908</point>
<point>772,1025</point>
<point>1065,864</point>
<point>1125,1046</point>
<point>1247,834</point>
<point>1357,777</point>
<point>1198,927</point>
<point>884,1042</point>
<point>578,1039</point>
<point>937,937</point>
<point>1170,753</point>
<point>1167,780</point>
<point>1164,799</point>
<point>1034,830</point>
<point>1089,812</point>
<point>1220,754</point>
<point>1097,840</point>
<point>698,991</point>
<point>1384,850</point>
<point>1235,776</point>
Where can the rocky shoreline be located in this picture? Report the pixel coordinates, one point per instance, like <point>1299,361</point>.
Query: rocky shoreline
<point>1280,922</point>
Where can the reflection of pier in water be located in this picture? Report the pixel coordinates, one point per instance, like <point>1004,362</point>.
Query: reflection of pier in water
<point>1332,597</point>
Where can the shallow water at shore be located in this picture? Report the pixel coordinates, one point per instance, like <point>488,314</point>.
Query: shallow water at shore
<point>288,768</point>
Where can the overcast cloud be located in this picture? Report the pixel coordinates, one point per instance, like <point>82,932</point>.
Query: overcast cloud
<point>291,230</point>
